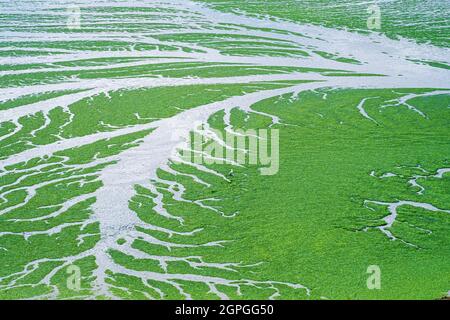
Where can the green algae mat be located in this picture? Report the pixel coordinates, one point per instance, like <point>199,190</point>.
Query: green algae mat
<point>224,149</point>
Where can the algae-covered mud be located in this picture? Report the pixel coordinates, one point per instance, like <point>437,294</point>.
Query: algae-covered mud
<point>224,149</point>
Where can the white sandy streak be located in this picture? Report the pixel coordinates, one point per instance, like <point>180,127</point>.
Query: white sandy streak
<point>106,86</point>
